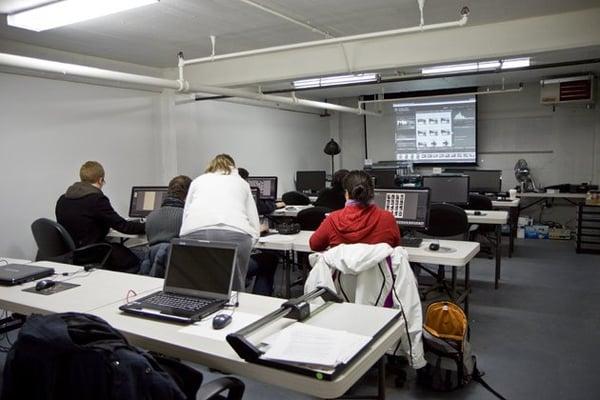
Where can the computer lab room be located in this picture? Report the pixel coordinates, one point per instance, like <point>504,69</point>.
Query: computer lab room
<point>299,199</point>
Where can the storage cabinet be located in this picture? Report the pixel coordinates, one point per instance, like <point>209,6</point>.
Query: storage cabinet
<point>588,229</point>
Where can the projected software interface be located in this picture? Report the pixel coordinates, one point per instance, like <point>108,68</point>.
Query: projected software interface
<point>410,207</point>
<point>436,130</point>
<point>267,185</point>
<point>145,199</point>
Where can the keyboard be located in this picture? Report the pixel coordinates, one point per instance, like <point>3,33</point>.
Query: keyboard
<point>179,302</point>
<point>411,242</point>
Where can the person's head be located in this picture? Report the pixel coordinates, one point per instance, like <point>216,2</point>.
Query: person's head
<point>92,172</point>
<point>359,187</point>
<point>244,173</point>
<point>179,186</point>
<point>338,178</point>
<point>222,163</point>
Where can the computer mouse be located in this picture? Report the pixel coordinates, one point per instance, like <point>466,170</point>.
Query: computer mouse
<point>434,246</point>
<point>44,284</point>
<point>477,213</point>
<point>220,321</point>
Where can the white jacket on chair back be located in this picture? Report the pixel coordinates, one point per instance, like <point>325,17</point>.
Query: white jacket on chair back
<point>375,275</point>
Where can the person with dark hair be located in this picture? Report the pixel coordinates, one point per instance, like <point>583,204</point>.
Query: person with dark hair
<point>262,264</point>
<point>360,221</point>
<point>86,213</point>
<point>334,197</point>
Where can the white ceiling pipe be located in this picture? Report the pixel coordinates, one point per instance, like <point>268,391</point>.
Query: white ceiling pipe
<point>479,92</point>
<point>323,42</point>
<point>36,64</point>
<point>287,18</point>
<point>247,102</point>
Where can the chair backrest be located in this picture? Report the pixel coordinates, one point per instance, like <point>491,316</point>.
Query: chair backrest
<point>295,199</point>
<point>447,220</point>
<point>310,218</point>
<point>52,239</point>
<point>479,202</point>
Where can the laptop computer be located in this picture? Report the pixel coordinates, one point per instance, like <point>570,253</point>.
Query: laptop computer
<point>15,274</point>
<point>197,283</point>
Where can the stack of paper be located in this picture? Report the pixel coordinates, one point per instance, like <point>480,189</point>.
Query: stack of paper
<point>310,345</point>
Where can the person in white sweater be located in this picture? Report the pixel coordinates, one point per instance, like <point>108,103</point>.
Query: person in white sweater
<point>220,207</point>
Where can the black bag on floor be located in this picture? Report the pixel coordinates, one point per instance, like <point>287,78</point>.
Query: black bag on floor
<point>80,356</point>
<point>450,363</point>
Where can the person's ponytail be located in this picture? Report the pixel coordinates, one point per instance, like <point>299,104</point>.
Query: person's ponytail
<point>359,187</point>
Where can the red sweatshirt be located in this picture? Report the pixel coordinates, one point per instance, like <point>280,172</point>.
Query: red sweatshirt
<point>356,224</point>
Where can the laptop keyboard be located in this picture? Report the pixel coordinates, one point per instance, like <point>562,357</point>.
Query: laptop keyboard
<point>180,302</point>
<point>411,241</point>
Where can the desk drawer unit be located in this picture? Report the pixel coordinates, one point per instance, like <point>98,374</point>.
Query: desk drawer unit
<point>588,229</point>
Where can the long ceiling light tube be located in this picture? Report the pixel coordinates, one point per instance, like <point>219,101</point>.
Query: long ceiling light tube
<point>324,42</point>
<point>66,12</point>
<point>179,85</point>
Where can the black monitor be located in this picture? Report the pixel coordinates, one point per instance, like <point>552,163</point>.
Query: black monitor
<point>266,184</point>
<point>482,180</point>
<point>310,181</point>
<point>409,206</point>
<point>383,178</point>
<point>145,199</point>
<point>255,194</point>
<point>452,189</point>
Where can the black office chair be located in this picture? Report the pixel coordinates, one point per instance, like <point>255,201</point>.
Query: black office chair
<point>55,244</point>
<point>310,218</point>
<point>482,203</point>
<point>445,220</point>
<point>295,199</point>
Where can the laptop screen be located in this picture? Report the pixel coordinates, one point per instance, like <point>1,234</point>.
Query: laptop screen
<point>200,268</point>
<point>145,199</point>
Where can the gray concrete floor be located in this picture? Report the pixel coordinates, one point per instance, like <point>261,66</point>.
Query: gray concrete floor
<point>534,337</point>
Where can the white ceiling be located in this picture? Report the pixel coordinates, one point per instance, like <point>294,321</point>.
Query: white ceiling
<point>153,35</point>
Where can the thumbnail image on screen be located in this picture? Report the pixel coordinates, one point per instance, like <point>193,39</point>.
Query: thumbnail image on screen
<point>436,130</point>
<point>410,207</point>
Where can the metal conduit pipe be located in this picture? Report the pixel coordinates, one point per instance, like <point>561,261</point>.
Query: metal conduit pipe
<point>287,18</point>
<point>323,42</point>
<point>180,85</point>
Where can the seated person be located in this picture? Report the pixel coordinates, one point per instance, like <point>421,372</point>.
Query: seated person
<point>262,265</point>
<point>334,197</point>
<point>86,213</point>
<point>360,221</point>
<point>164,224</point>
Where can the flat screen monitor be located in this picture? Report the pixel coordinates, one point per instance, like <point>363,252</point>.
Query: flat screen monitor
<point>310,181</point>
<point>145,199</point>
<point>383,178</point>
<point>436,130</point>
<point>409,206</point>
<point>255,194</point>
<point>267,185</point>
<point>482,180</point>
<point>452,189</point>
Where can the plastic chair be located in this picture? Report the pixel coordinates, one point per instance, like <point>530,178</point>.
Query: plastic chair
<point>295,199</point>
<point>55,244</point>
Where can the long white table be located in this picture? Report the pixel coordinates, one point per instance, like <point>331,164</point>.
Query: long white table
<point>101,292</point>
<point>513,219</point>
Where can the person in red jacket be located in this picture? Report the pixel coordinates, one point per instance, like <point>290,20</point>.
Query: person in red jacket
<point>360,221</point>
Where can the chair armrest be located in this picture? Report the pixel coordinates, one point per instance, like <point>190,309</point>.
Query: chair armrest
<point>93,254</point>
<point>214,388</point>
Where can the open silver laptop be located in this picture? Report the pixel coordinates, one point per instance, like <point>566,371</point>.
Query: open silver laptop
<point>198,282</point>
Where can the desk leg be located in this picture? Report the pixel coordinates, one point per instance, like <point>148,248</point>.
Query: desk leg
<point>287,266</point>
<point>498,254</point>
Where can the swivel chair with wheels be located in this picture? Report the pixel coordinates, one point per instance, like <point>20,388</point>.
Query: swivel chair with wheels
<point>55,244</point>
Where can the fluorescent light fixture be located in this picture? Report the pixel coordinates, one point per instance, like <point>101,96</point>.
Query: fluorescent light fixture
<point>434,103</point>
<point>334,80</point>
<point>68,12</point>
<point>477,66</point>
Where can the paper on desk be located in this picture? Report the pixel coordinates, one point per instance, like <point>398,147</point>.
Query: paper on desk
<point>305,344</point>
<point>204,328</point>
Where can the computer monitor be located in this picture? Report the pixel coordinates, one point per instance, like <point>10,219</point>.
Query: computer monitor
<point>266,184</point>
<point>383,178</point>
<point>409,206</point>
<point>310,181</point>
<point>452,189</point>
<point>145,199</point>
<point>482,180</point>
<point>255,194</point>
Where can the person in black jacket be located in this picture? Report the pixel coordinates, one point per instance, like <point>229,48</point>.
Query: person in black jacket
<point>85,212</point>
<point>333,197</point>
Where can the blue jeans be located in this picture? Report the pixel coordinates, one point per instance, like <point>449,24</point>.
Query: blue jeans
<point>263,266</point>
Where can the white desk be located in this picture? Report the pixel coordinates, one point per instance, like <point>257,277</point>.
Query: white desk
<point>552,195</point>
<point>490,217</point>
<point>289,211</point>
<point>513,219</point>
<point>506,204</point>
<point>98,288</point>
